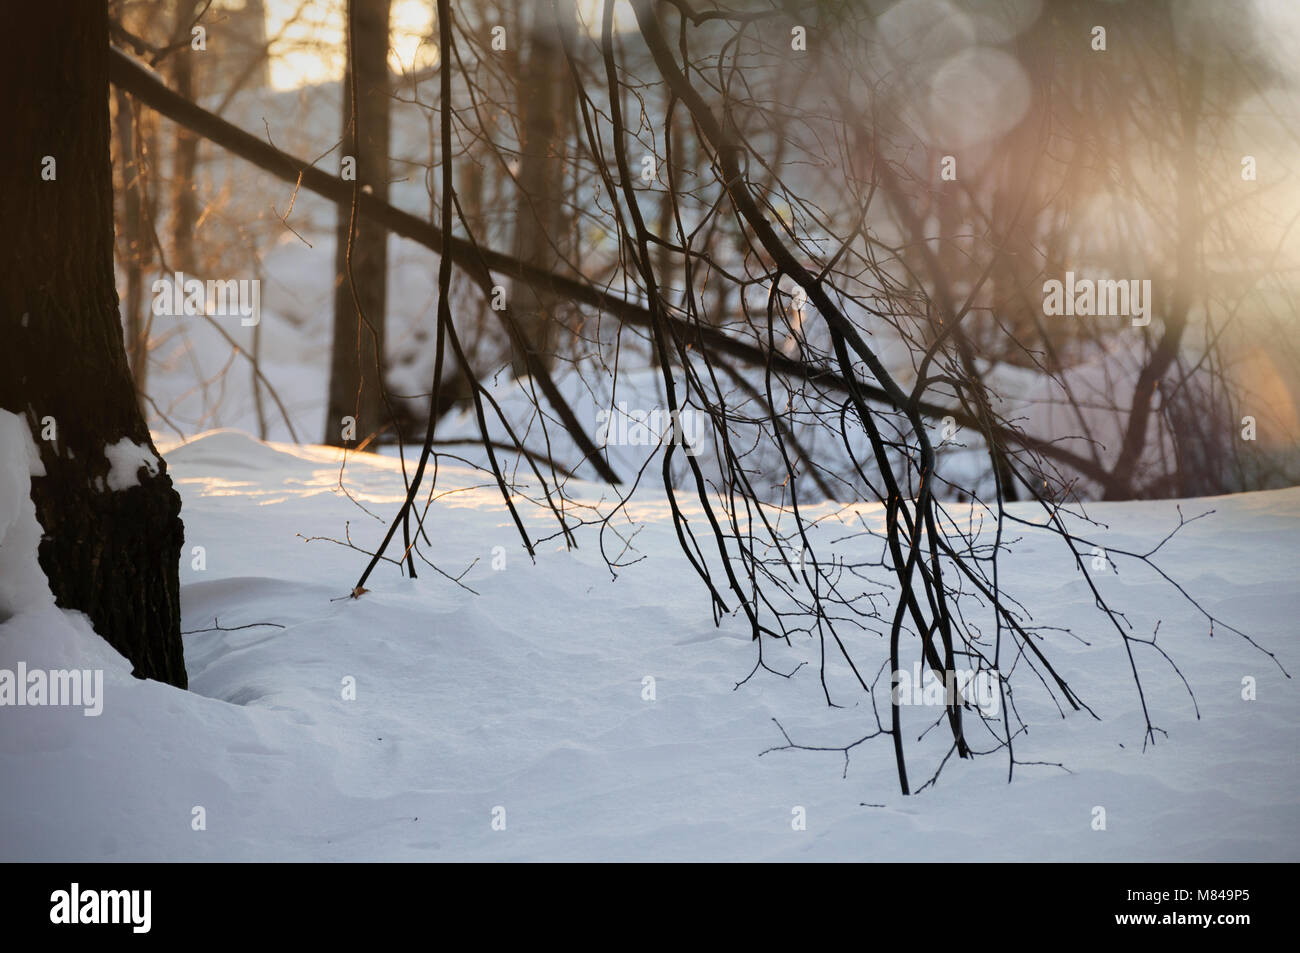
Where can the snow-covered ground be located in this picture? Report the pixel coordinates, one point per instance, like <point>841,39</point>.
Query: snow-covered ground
<point>525,706</point>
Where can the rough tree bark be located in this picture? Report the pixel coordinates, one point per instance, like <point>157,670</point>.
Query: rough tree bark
<point>112,554</point>
<point>360,295</point>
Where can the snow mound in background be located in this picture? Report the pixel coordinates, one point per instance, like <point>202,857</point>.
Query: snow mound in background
<point>23,586</point>
<point>221,449</point>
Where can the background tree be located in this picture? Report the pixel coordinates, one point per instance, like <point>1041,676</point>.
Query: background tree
<point>185,206</point>
<point>543,222</point>
<point>358,358</point>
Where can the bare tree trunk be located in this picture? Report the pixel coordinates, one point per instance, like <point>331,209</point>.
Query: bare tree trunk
<point>361,254</point>
<point>545,104</point>
<point>110,553</point>
<point>185,209</point>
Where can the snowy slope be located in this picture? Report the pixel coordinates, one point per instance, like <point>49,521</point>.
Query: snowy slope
<point>529,697</point>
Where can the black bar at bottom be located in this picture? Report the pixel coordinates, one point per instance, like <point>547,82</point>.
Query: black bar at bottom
<point>255,901</point>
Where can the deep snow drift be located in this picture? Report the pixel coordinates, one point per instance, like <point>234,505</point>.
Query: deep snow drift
<point>527,703</point>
